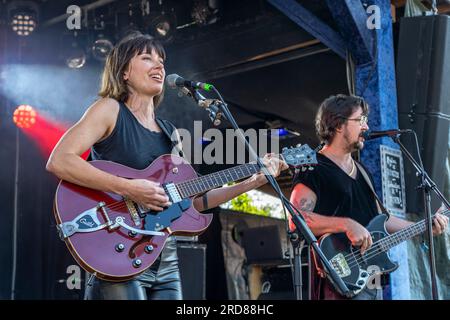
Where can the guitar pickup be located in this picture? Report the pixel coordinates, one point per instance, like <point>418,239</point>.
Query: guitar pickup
<point>172,192</point>
<point>340,265</point>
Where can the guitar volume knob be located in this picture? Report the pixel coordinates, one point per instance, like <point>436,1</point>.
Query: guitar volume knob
<point>137,263</point>
<point>132,234</point>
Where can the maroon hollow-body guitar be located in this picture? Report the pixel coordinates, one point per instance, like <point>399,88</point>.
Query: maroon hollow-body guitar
<point>116,239</point>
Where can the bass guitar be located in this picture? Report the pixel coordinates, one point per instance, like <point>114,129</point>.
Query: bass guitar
<point>356,269</point>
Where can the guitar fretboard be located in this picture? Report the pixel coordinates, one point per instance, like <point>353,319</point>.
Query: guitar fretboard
<point>405,234</point>
<point>214,180</point>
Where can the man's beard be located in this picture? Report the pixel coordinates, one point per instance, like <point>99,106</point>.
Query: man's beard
<point>353,145</point>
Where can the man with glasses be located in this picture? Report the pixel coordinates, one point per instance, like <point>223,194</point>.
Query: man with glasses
<point>335,197</point>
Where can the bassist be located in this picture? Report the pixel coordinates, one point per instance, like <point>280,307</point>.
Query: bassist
<point>335,197</point>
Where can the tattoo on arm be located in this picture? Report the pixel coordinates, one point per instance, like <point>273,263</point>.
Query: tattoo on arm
<point>306,207</point>
<point>306,204</point>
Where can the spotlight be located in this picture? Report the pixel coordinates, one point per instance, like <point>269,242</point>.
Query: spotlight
<point>73,52</point>
<point>76,58</point>
<point>205,12</point>
<point>102,44</point>
<point>284,133</point>
<point>163,26</point>
<point>278,130</point>
<point>24,116</point>
<point>23,17</point>
<point>101,48</point>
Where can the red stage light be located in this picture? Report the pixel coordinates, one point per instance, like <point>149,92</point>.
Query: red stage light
<point>24,116</point>
<point>44,131</point>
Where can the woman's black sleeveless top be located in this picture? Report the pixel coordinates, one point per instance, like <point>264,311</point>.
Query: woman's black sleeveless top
<point>130,143</point>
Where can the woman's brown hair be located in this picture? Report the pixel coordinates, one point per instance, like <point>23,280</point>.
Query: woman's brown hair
<point>113,85</point>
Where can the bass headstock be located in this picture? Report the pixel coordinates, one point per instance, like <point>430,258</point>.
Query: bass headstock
<point>301,156</point>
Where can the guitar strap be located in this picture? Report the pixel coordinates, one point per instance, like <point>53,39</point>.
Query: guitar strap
<point>171,132</point>
<point>380,206</point>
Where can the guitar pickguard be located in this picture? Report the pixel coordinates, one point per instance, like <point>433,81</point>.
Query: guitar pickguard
<point>157,221</point>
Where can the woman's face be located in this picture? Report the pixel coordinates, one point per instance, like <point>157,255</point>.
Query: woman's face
<point>145,74</point>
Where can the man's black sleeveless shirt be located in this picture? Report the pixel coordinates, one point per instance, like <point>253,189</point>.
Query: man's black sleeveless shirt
<point>337,193</point>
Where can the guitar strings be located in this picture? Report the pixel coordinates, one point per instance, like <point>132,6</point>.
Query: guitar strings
<point>183,187</point>
<point>374,251</point>
<point>380,249</point>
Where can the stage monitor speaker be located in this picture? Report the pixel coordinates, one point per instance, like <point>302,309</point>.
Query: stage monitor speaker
<point>423,79</point>
<point>192,260</point>
<point>277,283</point>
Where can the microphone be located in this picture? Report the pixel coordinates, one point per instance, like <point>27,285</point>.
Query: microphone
<point>369,135</point>
<point>174,81</point>
<point>209,104</point>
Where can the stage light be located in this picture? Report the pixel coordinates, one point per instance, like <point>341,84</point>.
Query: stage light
<point>278,130</point>
<point>284,133</point>
<point>24,116</point>
<point>101,48</point>
<point>162,26</point>
<point>205,12</point>
<point>74,54</point>
<point>23,17</point>
<point>102,44</point>
<point>76,59</point>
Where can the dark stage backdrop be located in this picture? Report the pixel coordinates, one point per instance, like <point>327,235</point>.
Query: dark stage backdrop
<point>41,258</point>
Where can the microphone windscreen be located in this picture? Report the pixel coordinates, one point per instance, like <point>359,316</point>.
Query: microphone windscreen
<point>171,80</point>
<point>366,135</point>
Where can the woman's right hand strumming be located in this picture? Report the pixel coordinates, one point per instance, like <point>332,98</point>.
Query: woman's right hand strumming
<point>147,193</point>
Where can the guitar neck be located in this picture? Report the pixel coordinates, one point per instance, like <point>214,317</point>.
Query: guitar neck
<point>214,180</point>
<point>405,234</point>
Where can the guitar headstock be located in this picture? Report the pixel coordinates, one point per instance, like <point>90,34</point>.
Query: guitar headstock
<point>300,156</point>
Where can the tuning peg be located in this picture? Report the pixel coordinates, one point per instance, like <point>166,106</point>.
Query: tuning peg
<point>310,168</point>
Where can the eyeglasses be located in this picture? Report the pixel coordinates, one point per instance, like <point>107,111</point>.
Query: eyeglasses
<point>362,121</point>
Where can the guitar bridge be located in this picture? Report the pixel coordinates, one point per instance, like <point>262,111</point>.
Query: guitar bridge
<point>86,221</point>
<point>135,216</point>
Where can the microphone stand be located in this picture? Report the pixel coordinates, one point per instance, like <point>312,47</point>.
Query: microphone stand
<point>296,248</point>
<point>211,105</point>
<point>426,184</point>
<point>298,220</point>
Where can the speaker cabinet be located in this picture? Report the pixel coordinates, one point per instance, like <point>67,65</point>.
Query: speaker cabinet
<point>423,79</point>
<point>192,261</point>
